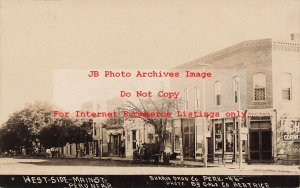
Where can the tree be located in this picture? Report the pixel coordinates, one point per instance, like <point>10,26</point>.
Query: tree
<point>35,124</point>
<point>161,105</point>
<point>66,130</point>
<point>80,132</point>
<point>23,127</point>
<point>35,116</point>
<point>54,135</point>
<point>14,136</point>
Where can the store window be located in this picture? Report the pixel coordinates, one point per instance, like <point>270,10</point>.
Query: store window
<point>229,137</point>
<point>218,137</point>
<point>197,97</point>
<point>287,86</point>
<point>217,93</point>
<point>259,85</point>
<point>236,85</point>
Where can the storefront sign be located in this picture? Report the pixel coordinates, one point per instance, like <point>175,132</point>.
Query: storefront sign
<point>244,130</point>
<point>259,112</point>
<point>290,128</point>
<point>228,158</point>
<point>208,134</point>
<point>291,137</point>
<point>244,136</point>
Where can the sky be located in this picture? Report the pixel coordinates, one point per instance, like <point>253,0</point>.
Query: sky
<point>78,88</point>
<point>41,38</point>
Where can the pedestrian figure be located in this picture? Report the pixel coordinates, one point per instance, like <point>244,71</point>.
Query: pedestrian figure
<point>52,152</point>
<point>23,151</point>
<point>48,152</point>
<point>56,152</point>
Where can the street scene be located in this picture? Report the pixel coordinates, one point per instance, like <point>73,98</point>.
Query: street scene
<point>126,166</point>
<point>246,123</point>
<point>239,116</point>
<point>150,93</point>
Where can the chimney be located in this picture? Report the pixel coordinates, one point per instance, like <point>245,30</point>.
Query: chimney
<point>295,37</point>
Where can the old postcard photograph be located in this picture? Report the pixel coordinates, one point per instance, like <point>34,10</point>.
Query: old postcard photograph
<point>143,93</point>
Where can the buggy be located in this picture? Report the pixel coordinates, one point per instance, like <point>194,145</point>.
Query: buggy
<point>147,153</point>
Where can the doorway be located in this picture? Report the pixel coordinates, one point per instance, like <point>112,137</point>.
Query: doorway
<point>261,141</point>
<point>116,145</point>
<point>134,146</point>
<point>188,126</point>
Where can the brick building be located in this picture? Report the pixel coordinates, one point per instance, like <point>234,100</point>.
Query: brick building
<point>255,82</point>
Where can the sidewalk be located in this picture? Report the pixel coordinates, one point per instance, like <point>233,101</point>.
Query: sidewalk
<point>212,168</point>
<point>117,158</point>
<point>294,169</point>
<point>235,166</point>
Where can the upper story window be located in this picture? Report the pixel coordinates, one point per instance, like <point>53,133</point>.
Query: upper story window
<point>259,85</point>
<point>236,85</point>
<point>186,99</point>
<point>286,86</point>
<point>197,97</point>
<point>217,93</point>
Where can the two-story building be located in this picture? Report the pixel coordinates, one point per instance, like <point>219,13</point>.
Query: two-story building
<point>254,82</point>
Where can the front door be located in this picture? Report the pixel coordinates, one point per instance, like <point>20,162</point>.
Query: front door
<point>116,145</point>
<point>134,139</point>
<point>260,142</point>
<point>188,126</point>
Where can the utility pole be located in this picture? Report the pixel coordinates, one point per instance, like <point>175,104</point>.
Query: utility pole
<point>100,133</point>
<point>181,150</point>
<point>239,125</point>
<point>204,122</point>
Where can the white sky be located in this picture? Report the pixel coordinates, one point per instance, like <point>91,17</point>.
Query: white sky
<point>72,88</point>
<point>39,37</point>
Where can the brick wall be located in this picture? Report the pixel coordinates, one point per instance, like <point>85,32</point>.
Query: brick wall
<point>243,60</point>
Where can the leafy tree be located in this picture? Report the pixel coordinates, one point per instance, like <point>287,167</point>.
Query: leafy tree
<point>54,135</point>
<point>159,123</point>
<point>23,127</point>
<point>14,136</point>
<point>35,123</point>
<point>80,132</point>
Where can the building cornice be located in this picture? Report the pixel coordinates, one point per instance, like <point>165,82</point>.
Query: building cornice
<point>291,46</point>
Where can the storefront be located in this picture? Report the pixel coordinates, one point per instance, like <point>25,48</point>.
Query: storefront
<point>225,140</point>
<point>188,138</point>
<point>115,137</point>
<point>184,131</point>
<point>115,145</point>
<point>136,132</point>
<point>221,135</point>
<point>261,135</point>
